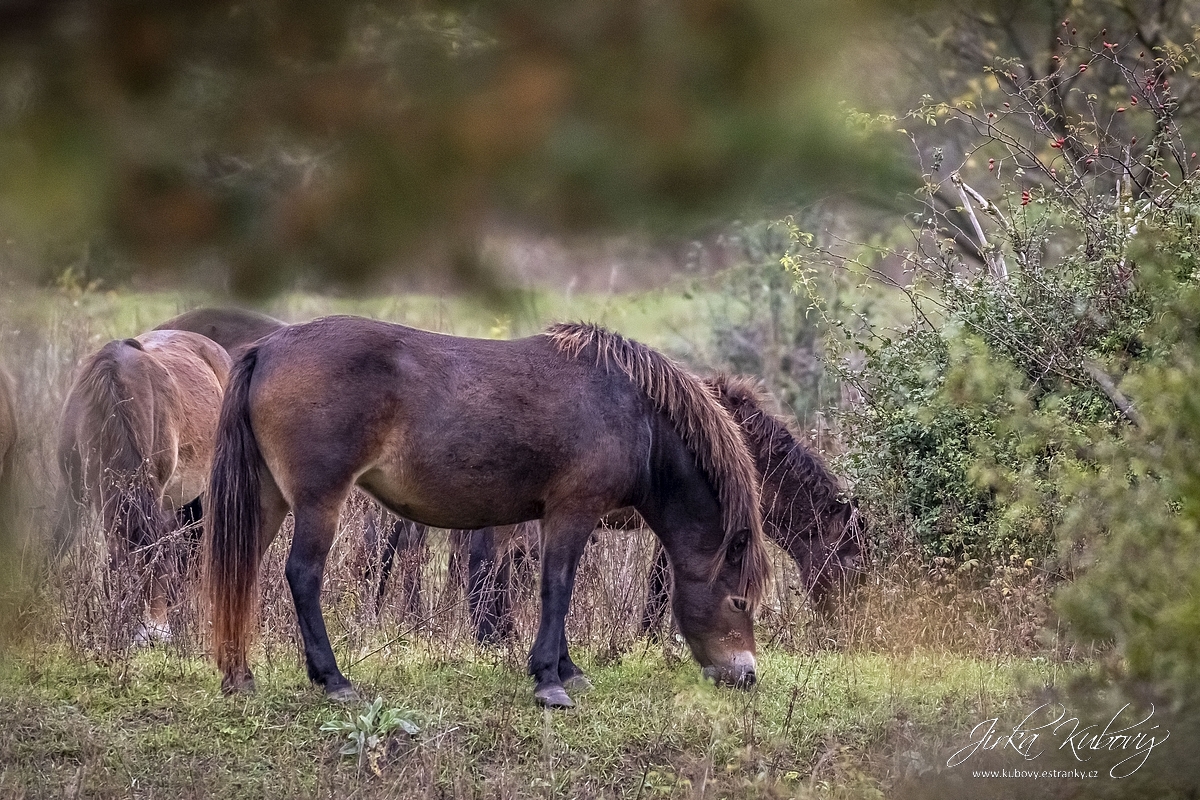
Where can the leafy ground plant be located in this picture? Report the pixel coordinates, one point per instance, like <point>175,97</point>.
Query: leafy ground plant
<point>367,733</point>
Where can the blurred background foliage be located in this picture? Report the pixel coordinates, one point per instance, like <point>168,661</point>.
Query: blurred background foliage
<point>238,145</point>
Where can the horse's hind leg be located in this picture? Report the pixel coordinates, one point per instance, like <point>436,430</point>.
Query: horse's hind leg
<point>410,547</point>
<point>188,519</point>
<point>656,594</point>
<point>489,576</point>
<point>405,540</point>
<point>481,583</point>
<point>316,526</point>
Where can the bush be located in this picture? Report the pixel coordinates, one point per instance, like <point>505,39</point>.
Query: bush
<point>1026,308</point>
<point>1054,402</point>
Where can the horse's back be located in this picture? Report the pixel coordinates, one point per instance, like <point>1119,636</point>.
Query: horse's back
<point>191,358</point>
<point>153,398</point>
<point>231,328</point>
<point>190,405</point>
<point>503,427</point>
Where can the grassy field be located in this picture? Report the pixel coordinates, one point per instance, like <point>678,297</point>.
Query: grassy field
<point>846,707</point>
<point>153,725</point>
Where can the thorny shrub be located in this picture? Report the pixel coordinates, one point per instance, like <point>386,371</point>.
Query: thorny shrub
<point>1026,310</point>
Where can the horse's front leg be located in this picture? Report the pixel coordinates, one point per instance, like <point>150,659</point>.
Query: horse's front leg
<point>563,541</point>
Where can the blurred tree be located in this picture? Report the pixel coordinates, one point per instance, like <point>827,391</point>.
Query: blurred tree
<point>342,138</point>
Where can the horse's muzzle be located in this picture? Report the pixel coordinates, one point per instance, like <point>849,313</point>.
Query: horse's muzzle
<point>738,671</point>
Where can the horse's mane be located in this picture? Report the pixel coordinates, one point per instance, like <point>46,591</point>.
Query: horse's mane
<point>778,450</point>
<point>706,429</point>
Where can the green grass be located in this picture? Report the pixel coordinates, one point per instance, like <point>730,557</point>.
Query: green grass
<point>156,725</point>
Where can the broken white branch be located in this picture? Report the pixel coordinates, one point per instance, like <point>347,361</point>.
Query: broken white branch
<point>995,259</point>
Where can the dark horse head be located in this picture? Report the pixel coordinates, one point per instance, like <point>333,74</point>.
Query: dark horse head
<point>804,510</point>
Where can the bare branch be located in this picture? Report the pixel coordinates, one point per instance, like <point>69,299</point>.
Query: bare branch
<point>995,260</point>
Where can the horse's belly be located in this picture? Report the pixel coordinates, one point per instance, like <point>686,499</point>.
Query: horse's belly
<point>451,503</point>
<point>186,483</point>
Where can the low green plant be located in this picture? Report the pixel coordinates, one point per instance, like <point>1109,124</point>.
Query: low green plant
<point>367,733</point>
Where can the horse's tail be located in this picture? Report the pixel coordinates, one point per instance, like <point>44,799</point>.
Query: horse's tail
<point>234,522</point>
<point>124,413</point>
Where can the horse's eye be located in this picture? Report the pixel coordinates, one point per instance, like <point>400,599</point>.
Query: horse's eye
<point>737,547</point>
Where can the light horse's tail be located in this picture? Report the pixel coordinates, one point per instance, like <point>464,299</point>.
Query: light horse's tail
<point>234,520</point>
<point>122,442</point>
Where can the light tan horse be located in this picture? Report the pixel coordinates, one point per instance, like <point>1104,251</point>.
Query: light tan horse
<point>136,444</point>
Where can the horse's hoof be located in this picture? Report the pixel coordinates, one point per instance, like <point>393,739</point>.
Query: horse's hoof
<point>553,697</point>
<point>578,683</point>
<point>343,695</point>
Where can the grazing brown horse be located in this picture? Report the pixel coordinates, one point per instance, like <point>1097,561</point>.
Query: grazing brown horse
<point>233,328</point>
<point>802,507</point>
<point>469,433</point>
<point>136,444</point>
<point>8,458</point>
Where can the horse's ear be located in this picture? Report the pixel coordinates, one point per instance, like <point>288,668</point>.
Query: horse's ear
<point>737,546</point>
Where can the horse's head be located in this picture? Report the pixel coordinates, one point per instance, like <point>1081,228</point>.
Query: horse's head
<point>714,614</point>
<point>832,560</point>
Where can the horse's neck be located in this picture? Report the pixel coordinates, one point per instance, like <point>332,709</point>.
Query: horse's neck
<point>793,507</point>
<point>679,501</point>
